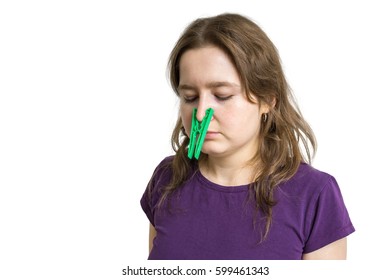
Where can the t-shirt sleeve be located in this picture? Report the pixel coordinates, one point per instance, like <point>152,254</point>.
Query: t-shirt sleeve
<point>151,196</point>
<point>331,220</point>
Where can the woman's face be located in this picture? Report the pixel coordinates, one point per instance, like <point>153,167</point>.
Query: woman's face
<point>208,79</point>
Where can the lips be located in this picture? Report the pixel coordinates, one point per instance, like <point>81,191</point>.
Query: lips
<point>211,134</point>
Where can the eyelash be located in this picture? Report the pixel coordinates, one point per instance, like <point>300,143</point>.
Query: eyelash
<point>223,98</point>
<point>220,98</point>
<point>189,99</point>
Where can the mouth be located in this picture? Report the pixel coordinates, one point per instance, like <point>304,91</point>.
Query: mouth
<point>211,135</point>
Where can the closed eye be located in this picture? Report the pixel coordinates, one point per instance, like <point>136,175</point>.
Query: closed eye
<point>223,97</point>
<point>189,99</point>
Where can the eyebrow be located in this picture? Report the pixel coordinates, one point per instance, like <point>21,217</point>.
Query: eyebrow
<point>209,85</point>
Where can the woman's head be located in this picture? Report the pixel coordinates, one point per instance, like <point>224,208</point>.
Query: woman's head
<point>261,78</point>
<point>208,79</point>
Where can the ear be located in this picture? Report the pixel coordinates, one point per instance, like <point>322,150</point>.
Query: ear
<point>273,101</point>
<point>265,107</point>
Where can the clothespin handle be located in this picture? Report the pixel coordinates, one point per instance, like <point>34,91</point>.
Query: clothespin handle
<point>198,132</point>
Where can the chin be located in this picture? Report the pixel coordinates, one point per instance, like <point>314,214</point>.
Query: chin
<point>215,154</point>
<point>213,149</point>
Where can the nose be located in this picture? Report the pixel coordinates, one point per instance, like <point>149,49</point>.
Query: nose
<point>203,105</point>
<point>200,114</point>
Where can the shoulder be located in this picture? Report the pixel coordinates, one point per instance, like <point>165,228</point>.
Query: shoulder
<point>310,174</point>
<point>162,173</point>
<point>164,164</point>
<point>309,181</point>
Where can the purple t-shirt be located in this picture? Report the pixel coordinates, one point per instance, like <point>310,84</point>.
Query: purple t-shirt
<point>207,221</point>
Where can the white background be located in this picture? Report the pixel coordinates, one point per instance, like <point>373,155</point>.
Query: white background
<point>86,114</point>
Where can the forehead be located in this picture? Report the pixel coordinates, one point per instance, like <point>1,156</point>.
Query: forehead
<point>205,65</point>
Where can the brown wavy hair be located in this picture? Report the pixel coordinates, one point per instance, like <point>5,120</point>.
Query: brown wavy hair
<point>286,139</point>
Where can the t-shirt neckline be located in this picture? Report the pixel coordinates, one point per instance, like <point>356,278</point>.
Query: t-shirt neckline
<point>211,185</point>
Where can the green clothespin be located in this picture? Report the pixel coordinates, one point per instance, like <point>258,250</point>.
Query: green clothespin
<point>198,132</point>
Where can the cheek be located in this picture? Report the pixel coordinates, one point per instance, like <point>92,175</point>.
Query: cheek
<point>243,114</point>
<point>247,119</point>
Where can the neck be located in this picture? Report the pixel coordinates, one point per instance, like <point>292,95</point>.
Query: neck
<point>227,172</point>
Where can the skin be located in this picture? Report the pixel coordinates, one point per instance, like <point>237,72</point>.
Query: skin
<point>208,79</point>
<point>152,235</point>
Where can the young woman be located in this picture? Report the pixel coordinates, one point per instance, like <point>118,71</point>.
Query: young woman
<point>253,193</point>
